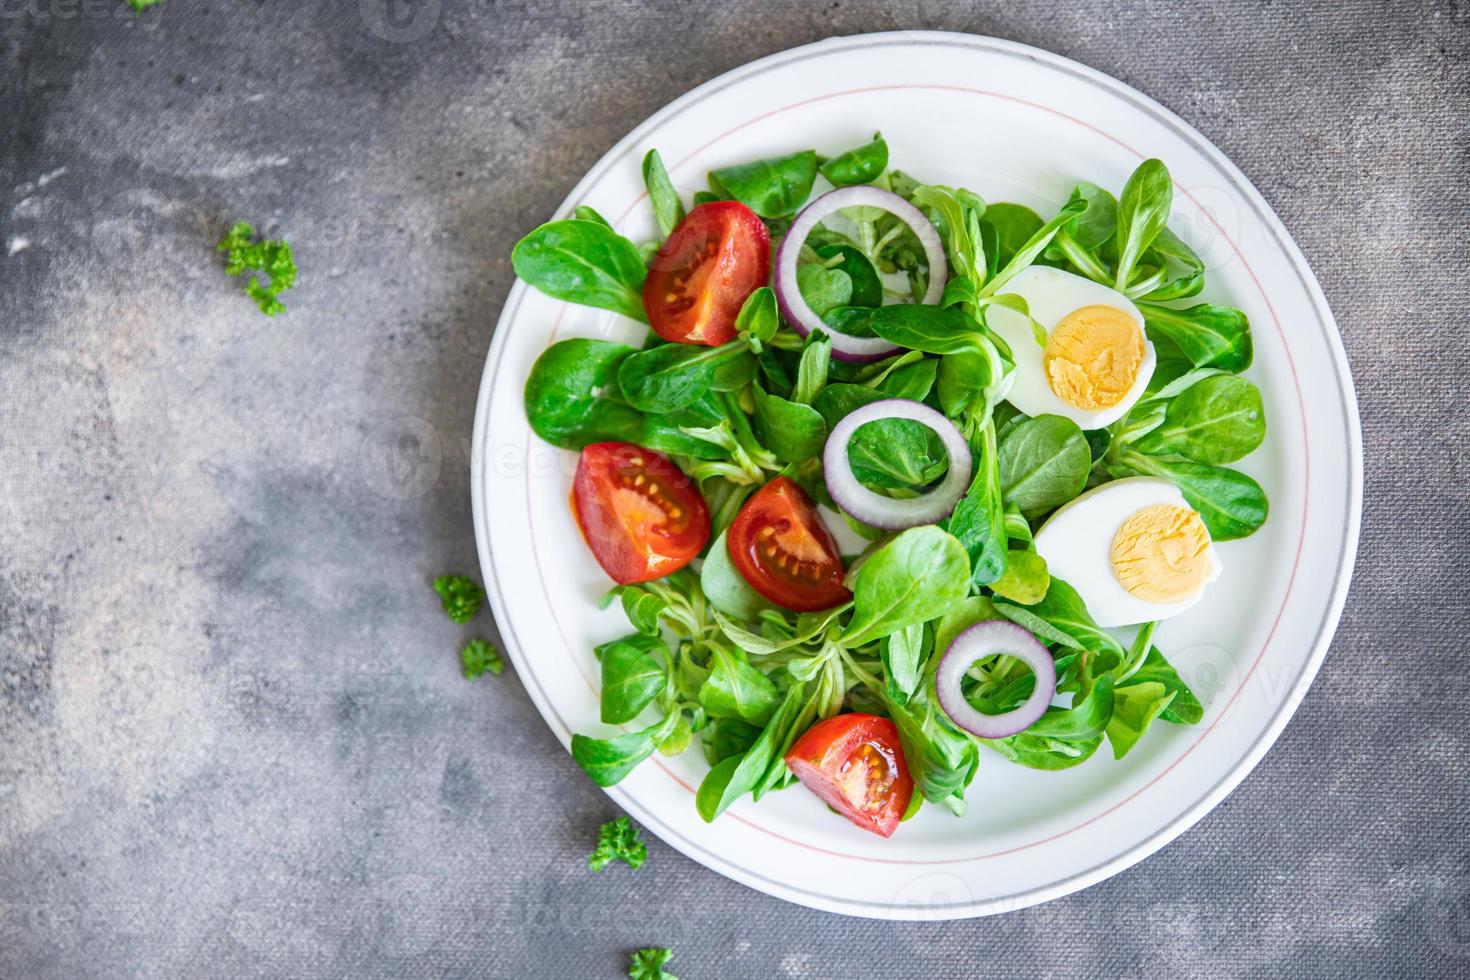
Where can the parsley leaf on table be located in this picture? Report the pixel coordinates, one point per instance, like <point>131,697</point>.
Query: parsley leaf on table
<point>268,256</point>
<point>618,841</point>
<point>460,595</point>
<point>142,5</point>
<point>479,656</point>
<point>648,964</point>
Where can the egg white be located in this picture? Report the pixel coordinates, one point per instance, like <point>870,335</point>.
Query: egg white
<point>1077,543</point>
<point>1051,294</point>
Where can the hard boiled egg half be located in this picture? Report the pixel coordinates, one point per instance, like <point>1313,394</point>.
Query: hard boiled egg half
<point>1133,549</point>
<point>1097,359</point>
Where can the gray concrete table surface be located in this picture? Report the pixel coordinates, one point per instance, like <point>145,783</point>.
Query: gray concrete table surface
<point>234,741</point>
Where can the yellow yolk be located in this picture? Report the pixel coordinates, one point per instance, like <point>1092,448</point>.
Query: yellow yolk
<point>1162,553</point>
<point>1093,357</point>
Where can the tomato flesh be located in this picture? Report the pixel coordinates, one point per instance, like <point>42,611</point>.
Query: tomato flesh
<point>716,257</point>
<point>855,764</point>
<point>640,515</point>
<point>782,548</point>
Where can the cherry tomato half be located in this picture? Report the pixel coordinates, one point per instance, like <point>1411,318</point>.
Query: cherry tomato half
<point>717,256</point>
<point>856,765</point>
<point>641,516</point>
<point>779,543</point>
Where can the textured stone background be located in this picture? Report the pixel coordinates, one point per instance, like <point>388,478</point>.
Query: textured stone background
<point>233,738</point>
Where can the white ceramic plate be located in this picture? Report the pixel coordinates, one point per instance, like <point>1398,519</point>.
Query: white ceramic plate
<point>1014,124</point>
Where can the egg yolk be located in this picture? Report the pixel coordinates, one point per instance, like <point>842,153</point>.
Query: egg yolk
<point>1162,553</point>
<point>1093,357</point>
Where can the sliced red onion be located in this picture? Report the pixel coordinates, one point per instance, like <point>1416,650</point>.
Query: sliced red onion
<point>985,640</point>
<point>891,513</point>
<point>794,307</point>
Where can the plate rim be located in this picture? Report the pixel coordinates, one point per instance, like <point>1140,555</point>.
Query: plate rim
<point>1327,628</point>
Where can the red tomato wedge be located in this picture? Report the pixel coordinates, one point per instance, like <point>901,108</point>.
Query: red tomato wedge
<point>641,516</point>
<point>856,765</point>
<point>716,257</point>
<point>779,543</point>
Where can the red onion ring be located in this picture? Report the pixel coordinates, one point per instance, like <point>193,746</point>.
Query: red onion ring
<point>984,640</point>
<point>794,307</point>
<point>891,513</point>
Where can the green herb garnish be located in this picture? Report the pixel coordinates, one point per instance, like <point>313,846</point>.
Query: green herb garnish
<point>460,595</point>
<point>618,840</point>
<point>479,656</point>
<point>271,257</point>
<point>648,964</point>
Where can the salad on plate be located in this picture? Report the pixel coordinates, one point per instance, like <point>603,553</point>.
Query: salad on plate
<point>898,477</point>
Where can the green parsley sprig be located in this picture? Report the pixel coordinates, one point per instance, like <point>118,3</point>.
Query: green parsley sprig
<point>618,840</point>
<point>479,656</point>
<point>460,595</point>
<point>271,257</point>
<point>648,964</point>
